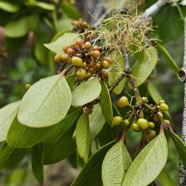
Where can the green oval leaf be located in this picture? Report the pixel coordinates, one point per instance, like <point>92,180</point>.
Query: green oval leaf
<point>65,39</point>
<point>10,156</point>
<point>180,146</point>
<point>83,136</point>
<point>172,64</point>
<point>90,175</point>
<point>148,164</point>
<point>37,163</point>
<point>155,95</point>
<point>43,5</point>
<point>46,102</point>
<point>96,121</point>
<point>116,72</point>
<point>86,92</point>
<point>21,136</point>
<point>142,69</point>
<point>9,7</point>
<point>70,11</point>
<point>21,26</point>
<point>106,104</point>
<point>60,148</point>
<point>165,179</point>
<point>7,115</point>
<point>115,164</point>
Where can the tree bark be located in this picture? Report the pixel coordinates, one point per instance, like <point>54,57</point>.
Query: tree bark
<point>182,174</point>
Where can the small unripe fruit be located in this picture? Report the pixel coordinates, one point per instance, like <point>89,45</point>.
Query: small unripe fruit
<point>87,45</point>
<point>95,54</point>
<point>117,120</point>
<point>70,51</point>
<point>57,58</point>
<point>105,64</point>
<point>142,123</point>
<point>126,122</point>
<point>104,73</point>
<point>123,102</point>
<point>135,127</point>
<point>151,125</point>
<point>64,57</point>
<point>157,117</point>
<point>167,122</point>
<point>144,99</point>
<point>151,133</point>
<point>89,74</point>
<point>109,59</point>
<point>27,86</point>
<point>77,61</point>
<point>161,101</point>
<point>164,107</point>
<point>81,73</point>
<point>79,42</point>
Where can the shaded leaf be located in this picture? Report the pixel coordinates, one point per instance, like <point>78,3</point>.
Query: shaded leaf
<point>43,5</point>
<point>37,163</point>
<point>70,11</point>
<point>142,69</point>
<point>106,104</point>
<point>10,156</point>
<point>148,164</point>
<point>65,39</point>
<point>153,91</point>
<point>60,148</point>
<point>115,164</point>
<point>86,92</point>
<point>96,121</point>
<point>169,23</point>
<point>172,64</point>
<point>83,136</point>
<point>180,146</point>
<point>46,102</point>
<point>7,115</point>
<point>90,175</point>
<point>165,179</point>
<point>70,80</point>
<point>116,72</point>
<point>9,7</point>
<point>21,136</point>
<point>21,26</point>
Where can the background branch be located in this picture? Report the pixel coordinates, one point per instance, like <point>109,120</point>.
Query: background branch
<point>182,169</point>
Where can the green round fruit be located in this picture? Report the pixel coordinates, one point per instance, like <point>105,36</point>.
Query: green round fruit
<point>151,125</point>
<point>117,120</point>
<point>135,127</point>
<point>167,122</point>
<point>27,86</point>
<point>161,101</point>
<point>81,73</point>
<point>144,99</point>
<point>105,64</point>
<point>57,58</point>
<point>77,61</point>
<point>142,123</point>
<point>126,122</point>
<point>151,133</point>
<point>64,57</point>
<point>164,107</point>
<point>123,102</point>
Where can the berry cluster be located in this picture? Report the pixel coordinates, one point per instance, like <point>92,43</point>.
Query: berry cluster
<point>88,60</point>
<point>136,122</point>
